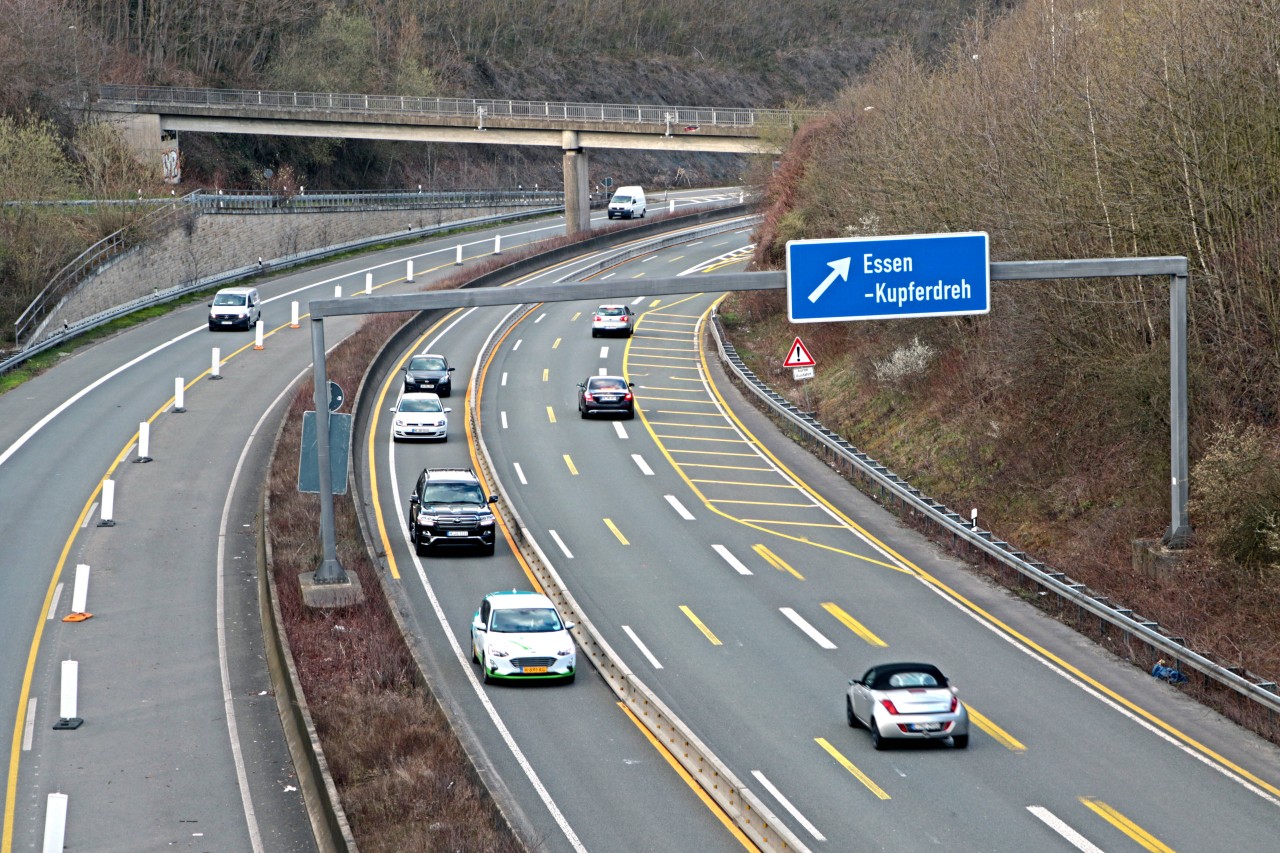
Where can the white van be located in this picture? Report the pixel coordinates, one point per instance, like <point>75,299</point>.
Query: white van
<point>627,202</point>
<point>235,306</point>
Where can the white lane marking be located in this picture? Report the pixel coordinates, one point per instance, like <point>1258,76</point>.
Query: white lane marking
<point>620,429</point>
<point>503,418</point>
<point>642,647</point>
<point>57,594</point>
<point>93,507</point>
<point>679,508</point>
<point>610,275</point>
<point>520,473</point>
<point>604,352</point>
<point>604,371</point>
<point>560,542</point>
<point>504,379</point>
<point>224,667</point>
<point>786,804</point>
<point>638,299</point>
<point>29,727</point>
<point>79,395</point>
<point>1057,825</point>
<point>516,345</point>
<point>731,560</point>
<point>643,466</point>
<point>800,623</point>
<point>646,260</point>
<point>540,318</point>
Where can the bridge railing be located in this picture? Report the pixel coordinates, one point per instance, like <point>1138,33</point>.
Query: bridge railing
<point>478,108</point>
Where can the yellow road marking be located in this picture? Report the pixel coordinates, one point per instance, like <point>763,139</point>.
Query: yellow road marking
<point>700,438</point>
<point>853,624</point>
<point>551,414</point>
<point>752,485</point>
<point>715,641</point>
<point>849,765</point>
<point>690,426</point>
<point>546,372</point>
<point>568,461</point>
<point>576,315</point>
<point>1005,739</point>
<point>654,303</point>
<point>759,503</point>
<point>724,467</point>
<point>1128,827</point>
<point>556,345</point>
<point>691,782</point>
<point>775,561</point>
<point>616,532</point>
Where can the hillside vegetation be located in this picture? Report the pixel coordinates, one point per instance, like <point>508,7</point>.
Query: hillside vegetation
<point>679,52</point>
<point>1070,129</point>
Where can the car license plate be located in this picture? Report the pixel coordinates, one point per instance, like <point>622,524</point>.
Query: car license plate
<point>457,533</point>
<point>608,399</point>
<point>534,670</point>
<point>928,727</point>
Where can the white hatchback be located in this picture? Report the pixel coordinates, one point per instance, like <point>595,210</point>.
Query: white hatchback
<point>420,415</point>
<point>519,636</point>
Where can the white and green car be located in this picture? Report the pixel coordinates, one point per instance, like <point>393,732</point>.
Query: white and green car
<point>520,636</point>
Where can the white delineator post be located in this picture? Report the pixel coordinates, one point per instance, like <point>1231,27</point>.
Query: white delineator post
<point>459,261</point>
<point>179,389</point>
<point>216,368</point>
<point>144,442</point>
<point>67,718</point>
<point>671,206</point>
<point>257,335</point>
<point>408,275</point>
<point>55,823</point>
<point>79,595</point>
<point>293,317</point>
<point>108,504</point>
<point>497,244</point>
<point>368,284</point>
<point>337,291</point>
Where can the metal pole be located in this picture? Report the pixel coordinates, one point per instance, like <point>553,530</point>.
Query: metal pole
<point>1179,525</point>
<point>330,570</point>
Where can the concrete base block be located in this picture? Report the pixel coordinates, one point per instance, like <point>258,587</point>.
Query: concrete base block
<point>1152,560</point>
<point>330,595</point>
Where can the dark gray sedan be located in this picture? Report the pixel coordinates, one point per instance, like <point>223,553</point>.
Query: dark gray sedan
<point>429,372</point>
<point>606,394</point>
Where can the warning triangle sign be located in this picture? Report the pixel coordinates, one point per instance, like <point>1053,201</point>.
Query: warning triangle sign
<point>798,356</point>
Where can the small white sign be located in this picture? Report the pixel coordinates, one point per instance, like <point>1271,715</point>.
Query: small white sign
<point>802,373</point>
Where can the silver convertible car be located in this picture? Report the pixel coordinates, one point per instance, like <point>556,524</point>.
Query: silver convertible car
<point>911,701</point>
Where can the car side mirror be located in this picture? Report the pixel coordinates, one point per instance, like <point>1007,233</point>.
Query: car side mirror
<point>392,410</point>
<point>569,626</point>
<point>853,681</point>
<point>493,499</point>
<point>478,625</point>
<point>451,369</point>
<point>447,410</point>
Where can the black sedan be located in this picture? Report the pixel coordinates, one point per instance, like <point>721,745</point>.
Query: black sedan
<point>601,394</point>
<point>428,372</point>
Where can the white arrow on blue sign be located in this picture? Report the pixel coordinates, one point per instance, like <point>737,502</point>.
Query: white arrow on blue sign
<point>885,278</point>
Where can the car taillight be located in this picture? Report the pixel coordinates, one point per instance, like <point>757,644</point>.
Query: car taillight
<point>889,706</point>
<point>626,398</point>
<point>596,319</point>
<point>587,398</point>
<point>955,703</point>
<point>625,320</point>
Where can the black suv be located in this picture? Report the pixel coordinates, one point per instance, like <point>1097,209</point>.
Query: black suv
<point>448,507</point>
<point>429,372</point>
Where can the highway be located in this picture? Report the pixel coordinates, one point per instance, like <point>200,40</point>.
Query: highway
<point>739,576</point>
<point>180,745</point>
<point>747,583</point>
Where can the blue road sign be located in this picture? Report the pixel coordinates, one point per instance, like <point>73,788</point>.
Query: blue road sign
<point>885,278</point>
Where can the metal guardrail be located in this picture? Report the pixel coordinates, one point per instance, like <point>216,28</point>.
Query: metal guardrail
<point>240,201</point>
<point>1260,690</point>
<point>551,111</point>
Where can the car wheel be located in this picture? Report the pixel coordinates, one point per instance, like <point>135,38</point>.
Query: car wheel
<point>447,392</point>
<point>960,741</point>
<point>569,679</point>
<point>475,656</point>
<point>484,673</point>
<point>582,413</point>
<point>630,415</point>
<point>848,712</point>
<point>595,333</point>
<point>877,742</point>
<point>418,548</point>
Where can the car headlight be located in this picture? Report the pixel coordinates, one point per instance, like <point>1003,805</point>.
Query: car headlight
<point>564,653</point>
<point>426,518</point>
<point>486,521</point>
<point>500,653</point>
<point>400,423</point>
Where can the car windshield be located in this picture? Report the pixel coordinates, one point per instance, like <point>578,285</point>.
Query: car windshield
<point>426,363</point>
<point>610,311</point>
<point>421,404</point>
<point>622,199</point>
<point>453,493</point>
<point>525,620</point>
<point>607,385</point>
<point>229,299</point>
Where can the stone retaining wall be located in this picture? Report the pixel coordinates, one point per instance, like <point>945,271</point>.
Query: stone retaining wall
<point>206,244</point>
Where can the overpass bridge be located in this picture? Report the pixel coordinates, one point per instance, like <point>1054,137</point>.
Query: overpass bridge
<point>151,117</point>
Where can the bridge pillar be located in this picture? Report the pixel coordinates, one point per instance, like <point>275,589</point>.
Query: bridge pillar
<point>142,133</point>
<point>577,205</point>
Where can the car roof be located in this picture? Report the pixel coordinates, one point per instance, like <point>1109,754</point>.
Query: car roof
<point>884,670</point>
<point>505,598</point>
<point>418,395</point>
<point>612,305</point>
<point>607,376</point>
<point>463,474</point>
<point>237,289</point>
